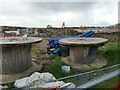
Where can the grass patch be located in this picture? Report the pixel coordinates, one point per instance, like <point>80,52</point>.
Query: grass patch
<point>34,48</point>
<point>53,57</point>
<point>111,53</point>
<point>109,83</point>
<point>9,86</point>
<point>55,68</point>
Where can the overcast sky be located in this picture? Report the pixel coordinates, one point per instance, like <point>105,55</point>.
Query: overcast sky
<point>40,14</point>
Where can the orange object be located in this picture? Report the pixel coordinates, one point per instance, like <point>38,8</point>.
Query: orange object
<point>63,25</point>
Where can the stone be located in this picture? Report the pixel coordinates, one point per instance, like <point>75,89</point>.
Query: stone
<point>42,81</point>
<point>21,82</point>
<point>36,79</point>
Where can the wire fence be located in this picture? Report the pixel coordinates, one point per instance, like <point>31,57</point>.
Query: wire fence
<point>82,78</point>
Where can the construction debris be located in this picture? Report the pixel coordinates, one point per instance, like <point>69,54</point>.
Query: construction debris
<point>41,80</point>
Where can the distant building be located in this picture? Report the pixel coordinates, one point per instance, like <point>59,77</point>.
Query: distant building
<point>12,33</point>
<point>17,32</point>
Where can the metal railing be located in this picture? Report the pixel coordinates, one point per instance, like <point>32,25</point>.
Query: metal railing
<point>93,77</point>
<point>90,72</point>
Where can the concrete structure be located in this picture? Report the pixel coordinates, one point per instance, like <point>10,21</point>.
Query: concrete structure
<point>83,50</point>
<point>16,55</point>
<point>16,32</point>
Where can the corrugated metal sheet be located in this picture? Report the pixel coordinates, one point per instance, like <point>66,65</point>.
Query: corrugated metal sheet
<point>83,55</point>
<point>15,58</point>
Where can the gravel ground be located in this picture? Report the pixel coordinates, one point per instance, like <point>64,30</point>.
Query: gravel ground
<point>41,56</point>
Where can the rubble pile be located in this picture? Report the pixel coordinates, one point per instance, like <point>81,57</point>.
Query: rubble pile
<point>41,80</point>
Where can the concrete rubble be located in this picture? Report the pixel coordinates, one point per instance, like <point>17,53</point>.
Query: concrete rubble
<point>41,80</point>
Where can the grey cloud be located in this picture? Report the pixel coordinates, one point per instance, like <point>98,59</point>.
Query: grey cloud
<point>39,13</point>
<point>13,9</point>
<point>60,6</point>
<point>45,8</point>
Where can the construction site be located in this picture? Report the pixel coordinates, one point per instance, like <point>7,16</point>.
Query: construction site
<point>64,58</point>
<point>59,45</point>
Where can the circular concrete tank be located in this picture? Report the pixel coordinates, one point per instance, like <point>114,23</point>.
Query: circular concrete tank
<point>15,54</point>
<point>83,50</point>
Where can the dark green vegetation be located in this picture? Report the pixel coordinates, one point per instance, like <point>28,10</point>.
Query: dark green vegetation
<point>10,86</point>
<point>111,52</point>
<point>55,68</point>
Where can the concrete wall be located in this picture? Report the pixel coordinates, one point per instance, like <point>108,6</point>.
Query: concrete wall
<point>56,32</point>
<point>114,37</point>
